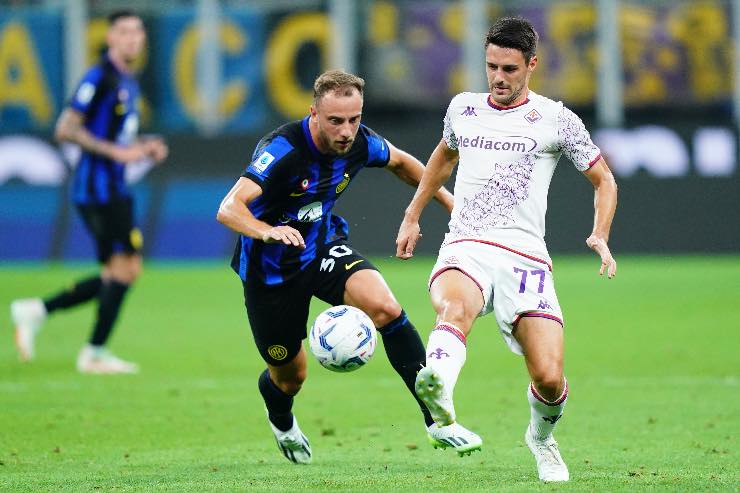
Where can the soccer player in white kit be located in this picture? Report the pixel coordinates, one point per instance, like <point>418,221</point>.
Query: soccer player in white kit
<point>494,258</point>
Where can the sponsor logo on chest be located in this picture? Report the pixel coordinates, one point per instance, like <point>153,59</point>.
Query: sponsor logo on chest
<point>510,143</point>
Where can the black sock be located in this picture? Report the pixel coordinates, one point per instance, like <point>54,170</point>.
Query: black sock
<point>80,292</point>
<point>109,303</point>
<point>278,402</point>
<point>406,353</point>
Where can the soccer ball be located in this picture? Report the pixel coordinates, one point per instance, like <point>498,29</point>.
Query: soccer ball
<point>343,338</point>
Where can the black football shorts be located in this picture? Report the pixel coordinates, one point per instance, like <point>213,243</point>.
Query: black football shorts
<point>278,314</point>
<point>112,228</point>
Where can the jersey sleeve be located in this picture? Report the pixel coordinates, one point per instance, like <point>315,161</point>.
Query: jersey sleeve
<point>448,134</point>
<point>378,153</point>
<point>575,142</point>
<point>89,87</point>
<point>268,160</point>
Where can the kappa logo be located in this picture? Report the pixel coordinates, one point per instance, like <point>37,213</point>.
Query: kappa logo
<point>544,305</point>
<point>469,111</point>
<point>533,116</point>
<point>451,260</point>
<point>262,162</point>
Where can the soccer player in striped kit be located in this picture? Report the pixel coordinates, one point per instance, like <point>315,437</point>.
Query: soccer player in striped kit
<point>292,247</point>
<point>494,258</point>
<point>103,119</point>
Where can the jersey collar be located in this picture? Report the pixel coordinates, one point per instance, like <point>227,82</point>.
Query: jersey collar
<point>505,108</point>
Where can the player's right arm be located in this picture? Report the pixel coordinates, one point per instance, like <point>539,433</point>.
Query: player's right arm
<point>70,127</point>
<point>437,172</point>
<point>234,213</point>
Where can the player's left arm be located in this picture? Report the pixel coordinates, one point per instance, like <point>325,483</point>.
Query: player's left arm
<point>410,170</point>
<point>605,203</point>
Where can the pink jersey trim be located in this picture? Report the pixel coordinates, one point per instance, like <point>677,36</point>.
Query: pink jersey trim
<point>499,245</point>
<point>559,401</point>
<point>537,314</point>
<point>445,269</point>
<point>454,331</point>
<point>594,160</point>
<point>504,108</point>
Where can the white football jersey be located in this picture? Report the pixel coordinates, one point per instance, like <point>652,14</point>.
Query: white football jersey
<point>507,159</point>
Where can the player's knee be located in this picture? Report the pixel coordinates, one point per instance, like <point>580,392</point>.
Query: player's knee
<point>548,381</point>
<point>383,311</point>
<point>455,311</point>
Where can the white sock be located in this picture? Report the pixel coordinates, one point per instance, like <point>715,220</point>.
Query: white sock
<point>446,353</point>
<point>545,414</point>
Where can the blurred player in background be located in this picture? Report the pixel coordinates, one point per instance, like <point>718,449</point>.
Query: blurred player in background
<point>494,257</point>
<point>103,119</point>
<point>293,248</point>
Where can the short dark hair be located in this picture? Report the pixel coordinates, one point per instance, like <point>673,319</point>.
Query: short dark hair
<point>514,32</point>
<point>337,80</point>
<point>121,14</point>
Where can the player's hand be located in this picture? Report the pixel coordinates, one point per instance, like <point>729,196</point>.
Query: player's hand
<point>408,234</point>
<point>156,149</point>
<point>608,264</point>
<point>284,234</point>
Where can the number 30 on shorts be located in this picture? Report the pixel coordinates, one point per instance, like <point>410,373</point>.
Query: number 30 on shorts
<point>338,251</point>
<point>525,272</point>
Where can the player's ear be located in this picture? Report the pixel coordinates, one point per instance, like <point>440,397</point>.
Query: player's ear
<point>314,113</point>
<point>532,63</point>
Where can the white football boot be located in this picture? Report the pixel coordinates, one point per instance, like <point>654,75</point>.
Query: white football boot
<point>430,389</point>
<point>293,443</point>
<point>550,465</point>
<point>28,315</point>
<point>445,432</point>
<point>100,361</point>
<point>456,436</point>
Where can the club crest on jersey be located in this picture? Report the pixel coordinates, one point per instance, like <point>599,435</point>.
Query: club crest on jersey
<point>262,162</point>
<point>343,184</point>
<point>304,187</point>
<point>469,111</point>
<point>533,116</point>
<point>310,213</point>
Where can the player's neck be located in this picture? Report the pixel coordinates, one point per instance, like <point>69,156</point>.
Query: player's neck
<point>517,102</point>
<point>119,62</point>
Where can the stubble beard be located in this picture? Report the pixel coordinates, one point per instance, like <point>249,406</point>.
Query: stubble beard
<point>330,146</point>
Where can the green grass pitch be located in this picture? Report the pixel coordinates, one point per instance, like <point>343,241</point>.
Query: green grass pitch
<point>651,357</point>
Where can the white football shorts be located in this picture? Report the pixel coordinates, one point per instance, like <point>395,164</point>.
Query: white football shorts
<point>514,284</point>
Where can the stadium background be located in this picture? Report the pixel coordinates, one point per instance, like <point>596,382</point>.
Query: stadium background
<point>218,75</point>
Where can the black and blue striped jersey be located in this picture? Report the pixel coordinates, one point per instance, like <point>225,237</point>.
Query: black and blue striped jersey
<point>299,189</point>
<point>108,100</point>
